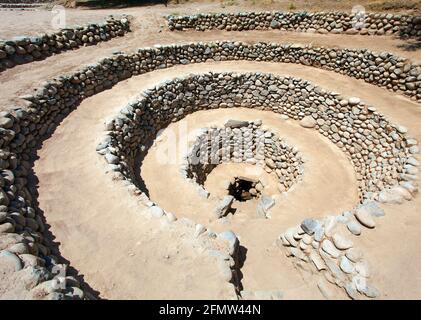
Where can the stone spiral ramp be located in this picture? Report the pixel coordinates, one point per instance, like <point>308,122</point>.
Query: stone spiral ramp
<point>90,220</point>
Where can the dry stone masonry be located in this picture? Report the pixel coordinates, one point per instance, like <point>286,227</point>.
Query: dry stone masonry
<point>382,69</point>
<point>324,248</point>
<point>23,49</point>
<point>381,152</point>
<point>320,22</point>
<point>243,141</point>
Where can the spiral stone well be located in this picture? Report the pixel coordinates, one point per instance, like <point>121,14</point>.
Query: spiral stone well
<point>382,154</point>
<point>243,141</point>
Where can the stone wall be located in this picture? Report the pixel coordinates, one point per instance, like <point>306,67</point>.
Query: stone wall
<point>382,69</point>
<point>380,151</point>
<point>323,248</point>
<point>243,141</point>
<point>320,22</point>
<point>22,229</point>
<point>22,50</point>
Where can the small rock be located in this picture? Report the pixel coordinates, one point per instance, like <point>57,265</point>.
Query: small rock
<point>346,265</point>
<point>371,292</point>
<point>308,122</point>
<point>3,216</point>
<point>414,150</point>
<point>319,234</point>
<point>330,225</point>
<point>360,283</point>
<point>264,205</point>
<point>30,260</point>
<point>365,218</point>
<point>341,242</point>
<point>354,101</point>
<point>18,248</point>
<point>310,226</point>
<point>307,239</point>
<point>236,124</point>
<point>402,129</point>
<point>317,260</point>
<point>6,122</point>
<point>111,159</point>
<point>171,217</point>
<point>231,238</point>
<point>298,254</point>
<point>6,227</point>
<point>76,293</point>
<point>351,291</point>
<point>330,249</point>
<point>336,272</point>
<point>354,254</point>
<point>270,163</point>
<point>224,206</point>
<point>202,192</point>
<point>289,236</point>
<point>354,227</point>
<point>156,212</point>
<point>274,24</point>
<point>10,260</point>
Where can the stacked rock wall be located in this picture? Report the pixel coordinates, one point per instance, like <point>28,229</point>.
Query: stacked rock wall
<point>371,142</point>
<point>324,249</point>
<point>321,22</point>
<point>22,50</point>
<point>379,150</point>
<point>245,142</point>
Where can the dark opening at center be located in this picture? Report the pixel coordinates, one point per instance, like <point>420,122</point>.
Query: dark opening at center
<point>243,190</point>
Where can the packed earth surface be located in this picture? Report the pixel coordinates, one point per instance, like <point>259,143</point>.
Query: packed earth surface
<point>210,150</point>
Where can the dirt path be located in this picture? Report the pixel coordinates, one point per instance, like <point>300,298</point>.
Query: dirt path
<point>70,172</point>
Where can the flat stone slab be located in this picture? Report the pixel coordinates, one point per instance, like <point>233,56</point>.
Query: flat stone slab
<point>223,207</point>
<point>236,124</point>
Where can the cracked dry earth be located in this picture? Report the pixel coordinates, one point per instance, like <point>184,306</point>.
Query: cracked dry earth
<point>122,253</point>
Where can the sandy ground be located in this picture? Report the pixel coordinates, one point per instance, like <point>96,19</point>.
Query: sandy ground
<point>121,254</point>
<point>77,136</point>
